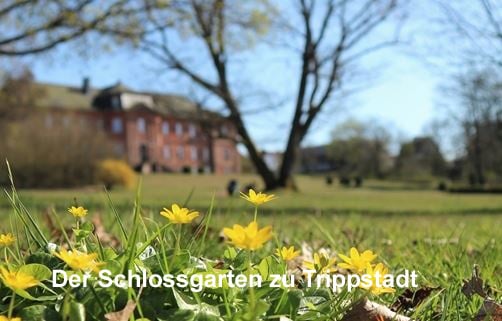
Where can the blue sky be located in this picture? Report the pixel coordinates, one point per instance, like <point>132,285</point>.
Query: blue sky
<point>400,93</point>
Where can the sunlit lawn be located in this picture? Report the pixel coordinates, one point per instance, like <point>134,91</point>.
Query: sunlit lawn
<point>314,196</point>
<point>440,235</point>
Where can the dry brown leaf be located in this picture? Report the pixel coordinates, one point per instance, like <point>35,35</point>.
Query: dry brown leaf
<point>55,231</point>
<point>490,310</point>
<point>411,299</point>
<point>474,285</point>
<point>122,315</point>
<point>366,310</point>
<point>101,233</point>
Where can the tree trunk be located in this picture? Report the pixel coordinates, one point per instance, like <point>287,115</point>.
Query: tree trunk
<point>269,178</point>
<point>285,179</point>
<point>478,158</point>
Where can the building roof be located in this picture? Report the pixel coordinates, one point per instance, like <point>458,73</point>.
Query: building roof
<point>66,97</point>
<point>74,98</point>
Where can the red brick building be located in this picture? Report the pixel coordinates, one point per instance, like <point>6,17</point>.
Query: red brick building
<point>153,132</point>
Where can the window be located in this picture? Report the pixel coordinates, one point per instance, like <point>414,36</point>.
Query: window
<point>179,129</point>
<point>193,153</point>
<point>224,130</point>
<point>192,130</point>
<point>180,152</point>
<point>115,102</point>
<point>165,128</point>
<point>117,125</point>
<point>226,154</point>
<point>49,121</point>
<point>66,121</point>
<point>166,151</point>
<point>205,154</point>
<point>141,125</point>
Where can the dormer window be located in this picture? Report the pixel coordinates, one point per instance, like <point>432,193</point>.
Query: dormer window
<point>115,102</point>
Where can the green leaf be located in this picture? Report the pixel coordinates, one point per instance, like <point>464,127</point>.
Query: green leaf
<point>230,253</point>
<point>87,226</point>
<point>50,261</point>
<point>38,271</point>
<point>185,302</point>
<point>39,313</point>
<point>74,311</point>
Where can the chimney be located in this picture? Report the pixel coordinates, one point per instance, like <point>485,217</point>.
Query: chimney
<point>85,85</point>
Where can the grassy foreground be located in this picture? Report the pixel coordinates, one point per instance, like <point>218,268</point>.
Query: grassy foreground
<point>441,236</point>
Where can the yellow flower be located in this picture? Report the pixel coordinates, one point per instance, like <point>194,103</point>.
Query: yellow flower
<point>17,280</point>
<point>322,263</point>
<point>287,254</point>
<point>4,318</point>
<point>79,260</point>
<point>377,273</point>
<point>249,237</point>
<point>357,262</point>
<point>257,198</point>
<point>7,240</point>
<point>77,211</point>
<point>179,215</point>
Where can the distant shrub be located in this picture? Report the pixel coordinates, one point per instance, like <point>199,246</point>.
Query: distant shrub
<point>476,190</point>
<point>345,181</point>
<point>113,172</point>
<point>442,186</point>
<point>62,154</point>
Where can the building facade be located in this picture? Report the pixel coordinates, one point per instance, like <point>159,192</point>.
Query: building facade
<point>152,132</point>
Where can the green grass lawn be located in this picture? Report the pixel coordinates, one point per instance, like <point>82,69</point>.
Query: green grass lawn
<point>438,234</point>
<point>314,197</point>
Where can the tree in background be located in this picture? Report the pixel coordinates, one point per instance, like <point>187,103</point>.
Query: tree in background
<point>420,158</point>
<point>475,26</point>
<point>361,149</point>
<point>328,37</point>
<point>17,94</point>
<point>479,114</point>
<point>473,96</point>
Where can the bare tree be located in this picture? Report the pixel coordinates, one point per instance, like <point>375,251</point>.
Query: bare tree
<point>34,26</point>
<point>475,28</point>
<point>476,107</point>
<point>332,35</point>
